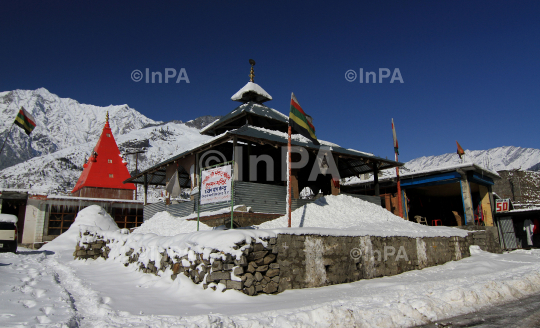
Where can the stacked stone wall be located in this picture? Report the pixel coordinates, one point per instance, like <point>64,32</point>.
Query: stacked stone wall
<point>273,265</point>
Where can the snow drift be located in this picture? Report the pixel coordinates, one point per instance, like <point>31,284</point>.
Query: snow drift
<point>94,216</point>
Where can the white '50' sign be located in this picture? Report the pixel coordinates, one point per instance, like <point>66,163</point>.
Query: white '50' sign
<point>503,205</point>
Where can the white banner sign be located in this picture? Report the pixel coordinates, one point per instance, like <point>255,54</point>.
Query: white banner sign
<point>216,185</point>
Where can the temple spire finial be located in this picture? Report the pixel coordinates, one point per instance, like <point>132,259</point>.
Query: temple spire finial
<point>107,117</point>
<point>252,72</point>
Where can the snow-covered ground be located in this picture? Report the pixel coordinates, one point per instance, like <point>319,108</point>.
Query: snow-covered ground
<point>50,289</point>
<point>42,288</point>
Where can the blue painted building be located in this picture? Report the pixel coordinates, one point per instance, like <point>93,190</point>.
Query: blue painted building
<point>456,195</point>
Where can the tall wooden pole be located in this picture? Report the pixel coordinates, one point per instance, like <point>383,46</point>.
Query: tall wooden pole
<point>289,177</point>
<point>400,203</point>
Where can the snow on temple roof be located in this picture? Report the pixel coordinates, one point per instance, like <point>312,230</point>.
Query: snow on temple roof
<point>251,91</point>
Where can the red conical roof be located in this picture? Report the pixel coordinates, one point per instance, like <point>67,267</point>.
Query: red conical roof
<point>105,168</point>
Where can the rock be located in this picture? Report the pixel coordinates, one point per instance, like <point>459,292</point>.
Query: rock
<point>272,273</point>
<point>273,241</point>
<point>276,279</point>
<point>270,288</point>
<point>250,290</point>
<point>251,268</point>
<point>238,271</point>
<point>228,266</point>
<point>257,255</point>
<point>242,261</point>
<point>258,247</point>
<point>176,268</point>
<point>258,276</point>
<point>231,284</point>
<point>274,266</point>
<point>262,268</point>
<point>217,265</point>
<point>269,258</point>
<point>258,288</point>
<point>248,282</point>
<point>216,276</point>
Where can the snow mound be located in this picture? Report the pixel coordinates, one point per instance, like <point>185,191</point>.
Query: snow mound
<point>94,216</point>
<point>165,224</point>
<point>8,218</point>
<point>350,216</point>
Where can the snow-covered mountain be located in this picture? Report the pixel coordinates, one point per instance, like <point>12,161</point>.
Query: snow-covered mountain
<point>59,171</point>
<point>51,159</point>
<point>60,123</point>
<point>495,159</point>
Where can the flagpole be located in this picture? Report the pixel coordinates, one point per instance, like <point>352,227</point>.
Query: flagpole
<point>396,147</point>
<point>289,177</point>
<point>7,136</point>
<point>400,203</point>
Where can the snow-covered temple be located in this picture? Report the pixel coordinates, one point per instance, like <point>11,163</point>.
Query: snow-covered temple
<point>254,136</point>
<point>105,171</point>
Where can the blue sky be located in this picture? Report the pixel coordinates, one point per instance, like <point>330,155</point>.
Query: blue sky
<point>471,69</point>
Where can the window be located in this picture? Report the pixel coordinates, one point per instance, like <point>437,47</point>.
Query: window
<point>128,217</point>
<point>108,135</point>
<point>111,175</point>
<point>61,218</point>
<point>110,161</point>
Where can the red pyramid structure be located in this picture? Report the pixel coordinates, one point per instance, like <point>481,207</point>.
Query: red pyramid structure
<point>105,171</point>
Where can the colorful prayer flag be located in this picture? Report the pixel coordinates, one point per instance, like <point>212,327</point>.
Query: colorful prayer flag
<point>301,122</point>
<point>396,147</point>
<point>25,120</point>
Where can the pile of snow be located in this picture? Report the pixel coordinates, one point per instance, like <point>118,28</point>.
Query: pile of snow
<point>251,87</point>
<point>165,224</point>
<point>10,218</point>
<point>94,216</point>
<point>344,215</point>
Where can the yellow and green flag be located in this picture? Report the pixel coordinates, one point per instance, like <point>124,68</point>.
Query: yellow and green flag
<point>301,122</point>
<point>25,120</point>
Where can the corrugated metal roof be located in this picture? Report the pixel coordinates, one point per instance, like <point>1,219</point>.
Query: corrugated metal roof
<point>353,163</point>
<point>249,107</point>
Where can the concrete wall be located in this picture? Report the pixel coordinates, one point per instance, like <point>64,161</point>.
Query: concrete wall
<point>293,261</point>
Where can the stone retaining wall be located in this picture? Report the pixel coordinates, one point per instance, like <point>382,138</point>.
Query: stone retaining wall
<point>487,238</point>
<point>287,261</point>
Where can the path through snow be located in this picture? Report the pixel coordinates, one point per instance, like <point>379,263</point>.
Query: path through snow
<point>42,289</point>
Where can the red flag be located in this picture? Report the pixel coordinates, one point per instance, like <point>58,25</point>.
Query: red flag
<point>460,150</point>
<point>396,147</point>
